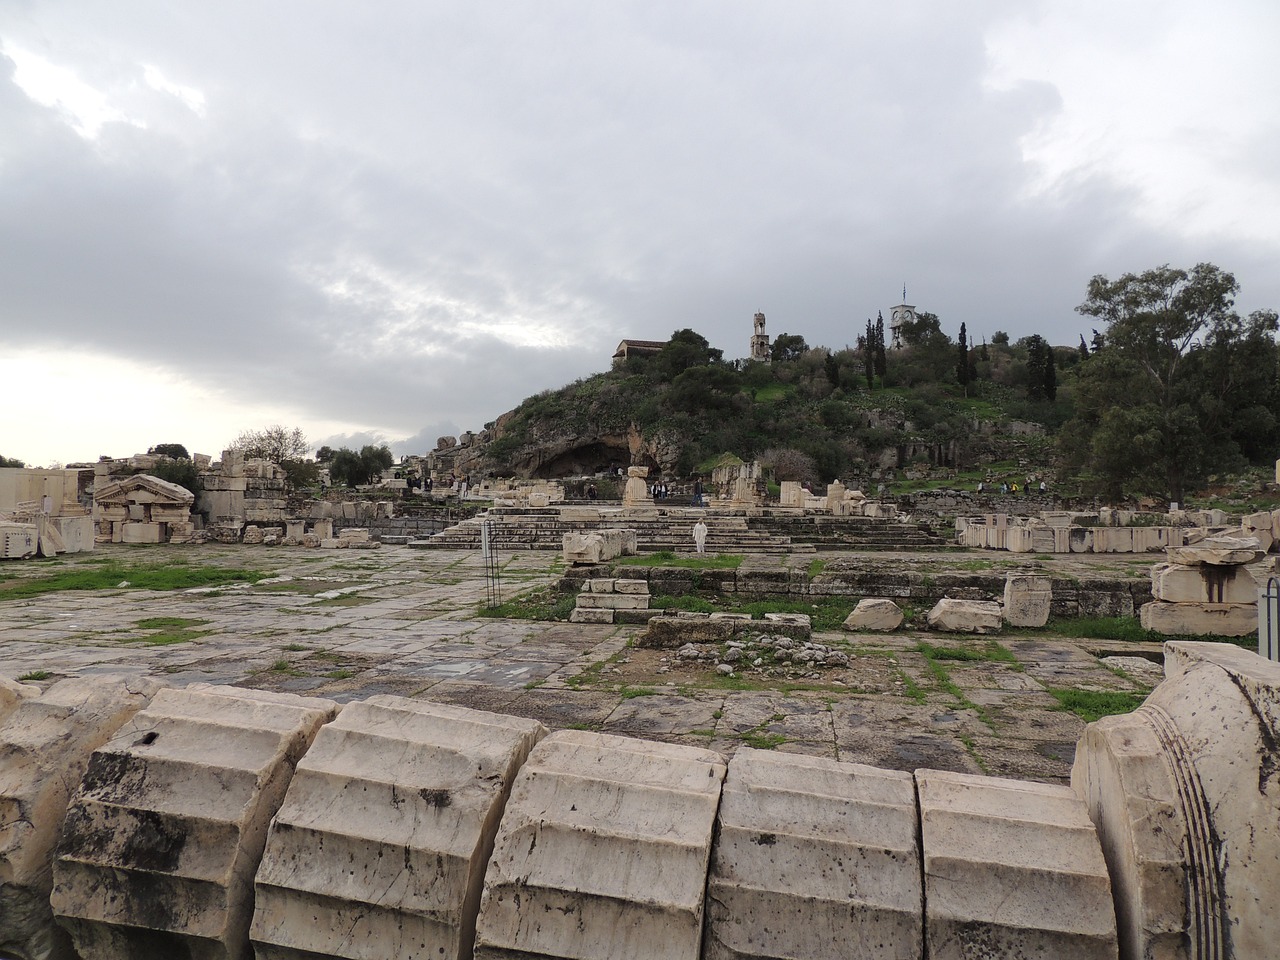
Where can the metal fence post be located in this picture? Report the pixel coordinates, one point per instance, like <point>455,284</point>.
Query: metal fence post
<point>1269,620</point>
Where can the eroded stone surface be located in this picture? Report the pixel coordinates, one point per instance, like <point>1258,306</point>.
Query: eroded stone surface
<point>404,797</point>
<point>1192,619</point>
<point>1027,599</point>
<point>12,693</point>
<point>163,837</point>
<point>603,852</point>
<point>814,858</point>
<point>45,745</point>
<point>966,616</point>
<point>1203,583</point>
<point>1126,782</point>
<point>1012,869</point>
<point>874,614</point>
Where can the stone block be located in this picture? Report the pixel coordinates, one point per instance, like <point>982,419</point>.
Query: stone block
<point>590,548</point>
<point>253,534</point>
<point>1200,619</point>
<point>591,615</point>
<point>602,852</point>
<point>354,534</point>
<point>600,585</point>
<point>164,835</point>
<point>874,614</point>
<point>1080,540</point>
<point>632,586</point>
<point>612,601</point>
<point>323,528</point>
<point>45,746</point>
<point>1011,869</point>
<point>406,796</point>
<point>814,858</point>
<point>671,633</point>
<point>141,533</point>
<point>1113,540</point>
<point>966,616</point>
<point>1027,598</point>
<point>1218,551</point>
<point>295,529</point>
<point>1202,583</point>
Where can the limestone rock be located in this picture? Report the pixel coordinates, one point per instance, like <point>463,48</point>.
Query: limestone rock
<point>674,632</point>
<point>874,614</point>
<point>1011,869</point>
<point>1218,551</point>
<point>1202,583</point>
<point>12,693</point>
<point>1122,774</point>
<point>1200,619</point>
<point>1027,599</point>
<point>828,870</point>
<point>407,795</point>
<point>45,746</point>
<point>164,835</point>
<point>602,852</point>
<point>965,616</point>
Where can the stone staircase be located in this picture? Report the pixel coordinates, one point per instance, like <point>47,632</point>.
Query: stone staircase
<point>544,529</point>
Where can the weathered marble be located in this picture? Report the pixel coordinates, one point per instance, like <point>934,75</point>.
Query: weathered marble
<point>603,852</point>
<point>406,796</point>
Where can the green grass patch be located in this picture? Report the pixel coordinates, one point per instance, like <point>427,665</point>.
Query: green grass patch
<point>630,693</point>
<point>545,603</point>
<point>165,638</point>
<point>816,566</point>
<point>666,558</point>
<point>109,576</point>
<point>688,602</point>
<point>1129,630</point>
<point>164,623</point>
<point>35,675</point>
<point>763,741</point>
<point>341,674</point>
<point>991,652</point>
<point>1091,705</point>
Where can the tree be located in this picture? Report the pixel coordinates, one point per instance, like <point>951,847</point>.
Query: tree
<point>1037,365</point>
<point>274,443</point>
<point>179,470</point>
<point>788,464</point>
<point>1084,348</point>
<point>175,450</point>
<point>354,469</point>
<point>788,346</point>
<point>1148,414</point>
<point>882,362</point>
<point>1050,383</point>
<point>1000,339</point>
<point>324,454</point>
<point>962,361</point>
<point>11,462</point>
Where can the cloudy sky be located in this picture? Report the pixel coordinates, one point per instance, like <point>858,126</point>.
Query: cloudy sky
<point>391,221</point>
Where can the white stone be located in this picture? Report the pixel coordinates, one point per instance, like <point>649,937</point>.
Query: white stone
<point>814,858</point>
<point>1027,598</point>
<point>405,795</point>
<point>966,616</point>
<point>1202,583</point>
<point>45,746</point>
<point>632,586</point>
<point>1219,550</point>
<point>1200,619</point>
<point>12,693</point>
<point>612,601</point>
<point>1011,869</point>
<point>590,615</point>
<point>873,613</point>
<point>179,800</point>
<point>602,852</point>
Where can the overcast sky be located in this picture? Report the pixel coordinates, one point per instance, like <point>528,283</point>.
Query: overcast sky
<point>391,221</point>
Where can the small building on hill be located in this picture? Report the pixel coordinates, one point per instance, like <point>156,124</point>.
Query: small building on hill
<point>628,348</point>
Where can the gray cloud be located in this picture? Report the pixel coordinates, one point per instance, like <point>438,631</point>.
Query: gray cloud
<point>413,216</point>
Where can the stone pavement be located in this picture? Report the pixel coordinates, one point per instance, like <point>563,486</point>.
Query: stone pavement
<point>349,624</point>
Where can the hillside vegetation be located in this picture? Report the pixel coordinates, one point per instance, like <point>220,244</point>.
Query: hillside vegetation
<point>1177,388</point>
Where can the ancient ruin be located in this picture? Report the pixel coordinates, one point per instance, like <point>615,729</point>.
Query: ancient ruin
<point>170,807</point>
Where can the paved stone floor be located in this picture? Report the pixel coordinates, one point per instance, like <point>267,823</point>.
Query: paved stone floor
<point>349,624</point>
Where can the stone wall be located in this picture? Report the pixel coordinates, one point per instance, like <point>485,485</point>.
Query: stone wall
<point>219,822</point>
<point>1070,597</point>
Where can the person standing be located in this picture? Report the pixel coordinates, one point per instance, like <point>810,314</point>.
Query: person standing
<point>697,492</point>
<point>700,536</point>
